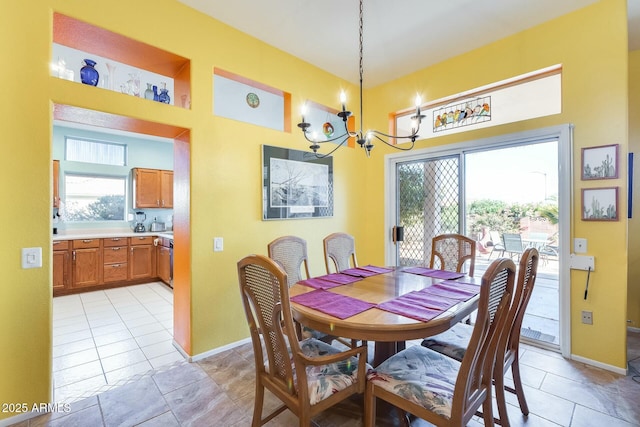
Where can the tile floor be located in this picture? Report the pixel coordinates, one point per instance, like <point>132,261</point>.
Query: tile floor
<point>102,338</point>
<point>219,390</point>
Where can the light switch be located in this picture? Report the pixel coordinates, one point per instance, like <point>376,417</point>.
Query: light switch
<point>580,245</point>
<point>218,244</point>
<point>31,257</point>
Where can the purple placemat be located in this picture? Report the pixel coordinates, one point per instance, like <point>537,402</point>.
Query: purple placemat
<point>379,270</point>
<point>448,292</point>
<point>407,309</point>
<point>429,300</point>
<point>358,272</point>
<point>340,306</point>
<point>343,279</point>
<point>467,280</point>
<point>438,274</point>
<point>319,283</point>
<point>462,285</point>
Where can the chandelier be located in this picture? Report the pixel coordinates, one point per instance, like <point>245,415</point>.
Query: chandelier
<point>364,139</point>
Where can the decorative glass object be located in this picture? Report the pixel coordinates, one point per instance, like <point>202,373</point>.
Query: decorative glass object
<point>88,74</point>
<point>111,69</point>
<point>148,93</point>
<point>164,94</point>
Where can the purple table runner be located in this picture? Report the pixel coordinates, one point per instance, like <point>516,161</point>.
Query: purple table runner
<point>359,272</point>
<point>438,274</point>
<point>429,300</point>
<point>340,306</point>
<point>461,285</point>
<point>448,291</point>
<point>379,270</point>
<point>343,279</point>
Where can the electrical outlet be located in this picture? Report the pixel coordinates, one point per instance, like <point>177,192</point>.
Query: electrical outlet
<point>587,317</point>
<point>218,244</point>
<point>580,245</point>
<point>31,257</point>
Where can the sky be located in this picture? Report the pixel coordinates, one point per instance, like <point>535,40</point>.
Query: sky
<point>517,174</point>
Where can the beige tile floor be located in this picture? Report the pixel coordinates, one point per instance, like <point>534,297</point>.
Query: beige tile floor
<point>218,391</point>
<point>102,338</point>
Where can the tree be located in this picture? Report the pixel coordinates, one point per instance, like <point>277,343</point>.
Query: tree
<point>106,208</point>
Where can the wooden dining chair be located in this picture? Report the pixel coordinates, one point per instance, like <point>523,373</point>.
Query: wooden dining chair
<point>455,341</point>
<point>453,252</point>
<point>339,251</point>
<point>308,376</point>
<point>290,252</point>
<point>437,388</point>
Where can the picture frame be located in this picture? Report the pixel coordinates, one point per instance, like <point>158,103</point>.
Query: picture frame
<point>600,204</point>
<point>600,162</point>
<point>296,184</point>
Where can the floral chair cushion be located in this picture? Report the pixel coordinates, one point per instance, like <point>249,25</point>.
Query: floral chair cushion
<point>452,342</point>
<point>421,376</point>
<point>325,380</point>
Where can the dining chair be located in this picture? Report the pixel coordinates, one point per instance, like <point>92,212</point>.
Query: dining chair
<point>454,342</point>
<point>339,251</point>
<point>307,376</point>
<point>453,252</point>
<point>290,252</point>
<point>440,389</point>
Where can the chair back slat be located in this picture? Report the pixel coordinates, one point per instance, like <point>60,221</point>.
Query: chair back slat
<point>527,273</point>
<point>290,252</point>
<point>476,370</point>
<point>339,250</point>
<point>452,252</point>
<point>264,291</point>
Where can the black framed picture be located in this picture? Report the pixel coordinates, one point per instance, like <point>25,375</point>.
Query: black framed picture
<point>296,184</point>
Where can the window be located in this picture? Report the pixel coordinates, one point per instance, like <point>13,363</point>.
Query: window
<point>106,153</point>
<point>94,198</point>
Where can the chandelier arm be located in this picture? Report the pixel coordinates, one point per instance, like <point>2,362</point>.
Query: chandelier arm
<point>394,145</point>
<point>347,135</point>
<point>332,151</point>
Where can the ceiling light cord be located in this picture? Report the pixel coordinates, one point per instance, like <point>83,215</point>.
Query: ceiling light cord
<point>362,138</point>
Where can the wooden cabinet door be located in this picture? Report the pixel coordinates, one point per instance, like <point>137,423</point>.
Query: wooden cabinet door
<point>56,183</point>
<point>142,262</point>
<point>87,265</point>
<point>146,188</point>
<point>166,189</point>
<point>61,269</point>
<point>164,264</point>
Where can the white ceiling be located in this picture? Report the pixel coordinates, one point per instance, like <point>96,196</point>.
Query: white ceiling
<point>400,36</point>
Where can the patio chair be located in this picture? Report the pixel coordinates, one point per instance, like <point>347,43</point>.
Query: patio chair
<point>308,376</point>
<point>496,240</point>
<point>512,244</point>
<point>437,388</point>
<point>454,342</point>
<point>452,252</point>
<point>339,251</point>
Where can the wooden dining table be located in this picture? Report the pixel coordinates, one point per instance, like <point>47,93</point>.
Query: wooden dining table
<point>388,330</point>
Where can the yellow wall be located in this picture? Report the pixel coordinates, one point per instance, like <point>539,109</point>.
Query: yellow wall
<point>591,45</point>
<point>225,159</point>
<point>633,297</point>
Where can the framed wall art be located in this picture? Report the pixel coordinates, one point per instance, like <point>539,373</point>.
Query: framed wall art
<point>600,162</point>
<point>600,204</point>
<point>295,184</point>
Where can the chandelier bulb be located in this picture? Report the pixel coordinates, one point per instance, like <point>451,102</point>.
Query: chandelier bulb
<point>343,100</point>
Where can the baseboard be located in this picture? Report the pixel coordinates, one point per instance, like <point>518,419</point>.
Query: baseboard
<point>616,369</point>
<point>212,352</point>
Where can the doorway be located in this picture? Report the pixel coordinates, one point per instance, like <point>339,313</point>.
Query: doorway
<point>518,184</point>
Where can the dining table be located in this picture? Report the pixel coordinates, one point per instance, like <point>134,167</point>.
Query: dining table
<point>381,298</point>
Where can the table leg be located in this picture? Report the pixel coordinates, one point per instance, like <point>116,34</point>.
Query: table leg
<point>384,350</point>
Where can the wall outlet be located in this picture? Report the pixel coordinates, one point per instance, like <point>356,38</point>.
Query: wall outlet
<point>580,245</point>
<point>587,317</point>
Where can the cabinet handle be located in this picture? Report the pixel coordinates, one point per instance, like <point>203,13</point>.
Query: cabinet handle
<point>116,265</point>
<point>115,239</point>
<point>87,241</point>
<point>157,202</point>
<point>163,203</point>
<point>141,238</point>
<point>115,249</point>
<point>74,256</point>
<point>56,243</point>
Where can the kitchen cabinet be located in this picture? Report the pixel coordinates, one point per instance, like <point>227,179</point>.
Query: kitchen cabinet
<point>86,258</point>
<point>152,188</point>
<point>142,260</point>
<point>56,183</point>
<point>115,256</point>
<point>61,265</point>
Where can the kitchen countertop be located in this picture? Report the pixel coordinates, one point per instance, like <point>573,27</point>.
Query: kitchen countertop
<point>105,234</point>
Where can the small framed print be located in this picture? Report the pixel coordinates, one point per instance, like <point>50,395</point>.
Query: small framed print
<point>600,204</point>
<point>600,162</point>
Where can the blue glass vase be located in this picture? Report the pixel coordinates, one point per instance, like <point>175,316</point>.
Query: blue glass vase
<point>88,74</point>
<point>164,96</point>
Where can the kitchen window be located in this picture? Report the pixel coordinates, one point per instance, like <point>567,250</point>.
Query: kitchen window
<point>105,153</point>
<point>94,198</point>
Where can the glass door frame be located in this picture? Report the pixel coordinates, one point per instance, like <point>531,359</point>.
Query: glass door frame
<point>564,135</point>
